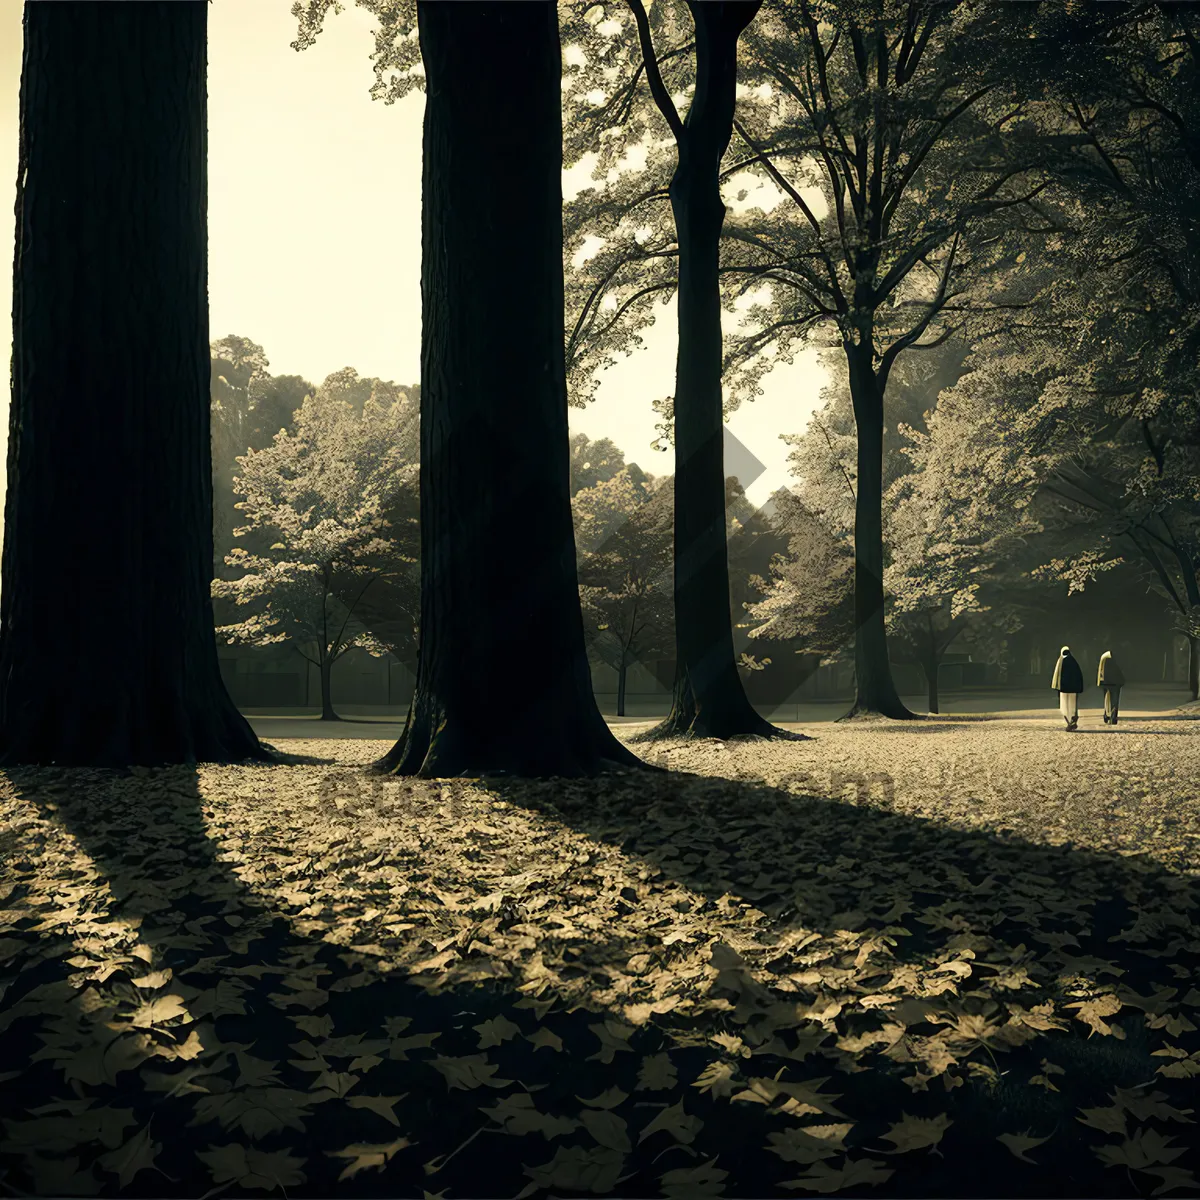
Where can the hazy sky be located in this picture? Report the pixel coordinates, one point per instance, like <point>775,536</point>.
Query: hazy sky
<point>314,228</point>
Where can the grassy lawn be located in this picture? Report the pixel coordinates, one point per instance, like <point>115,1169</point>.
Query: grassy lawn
<point>953,958</point>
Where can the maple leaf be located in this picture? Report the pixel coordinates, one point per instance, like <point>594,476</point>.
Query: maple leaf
<point>717,1078</point>
<point>852,1173</point>
<point>1092,1013</point>
<point>159,1011</point>
<point>1143,1148</point>
<point>1150,1106</point>
<point>518,1116</point>
<point>594,1170</point>
<point>607,1099</point>
<point>809,1144</point>
<point>676,1122</point>
<point>917,1133</point>
<point>234,1163</point>
<point>657,1073</point>
<point>607,1129</point>
<point>1172,1178</point>
<point>136,1155</point>
<point>400,1047</point>
<point>614,1037</point>
<point>468,1071</point>
<point>544,1039</point>
<point>1107,1120</point>
<point>368,1156</point>
<point>1019,1143</point>
<point>683,1183</point>
<point>495,1031</point>
<point>383,1105</point>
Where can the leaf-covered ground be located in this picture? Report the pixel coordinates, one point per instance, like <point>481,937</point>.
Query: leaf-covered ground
<point>973,970</point>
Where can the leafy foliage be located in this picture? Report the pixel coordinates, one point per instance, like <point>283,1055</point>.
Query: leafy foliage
<point>623,529</point>
<point>325,493</point>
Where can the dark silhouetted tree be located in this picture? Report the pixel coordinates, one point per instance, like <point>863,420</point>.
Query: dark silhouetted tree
<point>498,576</point>
<point>107,650</point>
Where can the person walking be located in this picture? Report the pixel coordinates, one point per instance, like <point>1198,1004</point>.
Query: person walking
<point>1111,678</point>
<point>1068,683</point>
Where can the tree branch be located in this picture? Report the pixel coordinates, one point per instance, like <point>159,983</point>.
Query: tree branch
<point>658,89</point>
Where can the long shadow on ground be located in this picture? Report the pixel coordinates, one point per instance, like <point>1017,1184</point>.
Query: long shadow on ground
<point>164,1014</point>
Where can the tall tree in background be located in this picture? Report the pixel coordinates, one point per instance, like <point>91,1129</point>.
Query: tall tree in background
<point>623,535</point>
<point>249,406</point>
<point>317,505</point>
<point>107,650</point>
<point>903,152</point>
<point>495,480</point>
<point>708,698</point>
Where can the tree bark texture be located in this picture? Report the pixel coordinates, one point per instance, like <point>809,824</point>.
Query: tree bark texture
<point>499,585</point>
<point>875,690</point>
<point>107,650</point>
<point>708,698</point>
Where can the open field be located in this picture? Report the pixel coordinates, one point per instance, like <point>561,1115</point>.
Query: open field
<point>952,958</point>
<point>379,721</point>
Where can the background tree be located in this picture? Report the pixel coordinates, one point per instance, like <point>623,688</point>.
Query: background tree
<point>953,528</point>
<point>248,407</point>
<point>107,650</point>
<point>904,154</point>
<point>323,493</point>
<point>1126,396</point>
<point>807,598</point>
<point>594,462</point>
<point>623,530</point>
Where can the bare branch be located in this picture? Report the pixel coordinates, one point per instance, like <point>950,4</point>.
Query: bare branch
<point>658,89</point>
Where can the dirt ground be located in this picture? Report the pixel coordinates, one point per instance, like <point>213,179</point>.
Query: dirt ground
<point>949,958</point>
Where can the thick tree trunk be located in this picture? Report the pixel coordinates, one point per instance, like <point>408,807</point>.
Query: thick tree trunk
<point>327,713</point>
<point>498,574</point>
<point>875,688</point>
<point>622,670</point>
<point>107,650</point>
<point>708,698</point>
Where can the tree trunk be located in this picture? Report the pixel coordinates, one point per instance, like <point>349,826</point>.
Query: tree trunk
<point>327,713</point>
<point>708,697</point>
<point>1194,667</point>
<point>108,655</point>
<point>875,689</point>
<point>498,574</point>
<point>621,672</point>
<point>930,666</point>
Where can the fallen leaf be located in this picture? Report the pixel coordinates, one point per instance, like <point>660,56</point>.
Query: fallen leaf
<point>382,1105</point>
<point>1019,1143</point>
<point>917,1133</point>
<point>607,1129</point>
<point>495,1031</point>
<point>367,1156</point>
<point>234,1163</point>
<point>852,1173</point>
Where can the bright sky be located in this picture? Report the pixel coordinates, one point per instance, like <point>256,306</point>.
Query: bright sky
<point>314,229</point>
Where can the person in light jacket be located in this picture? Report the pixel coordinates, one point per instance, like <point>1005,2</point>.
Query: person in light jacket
<point>1068,683</point>
<point>1111,678</point>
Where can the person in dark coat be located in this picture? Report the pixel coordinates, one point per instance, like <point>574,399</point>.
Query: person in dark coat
<point>1068,683</point>
<point>1111,678</point>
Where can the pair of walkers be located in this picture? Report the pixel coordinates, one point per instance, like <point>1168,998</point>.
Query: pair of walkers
<point>1068,683</point>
